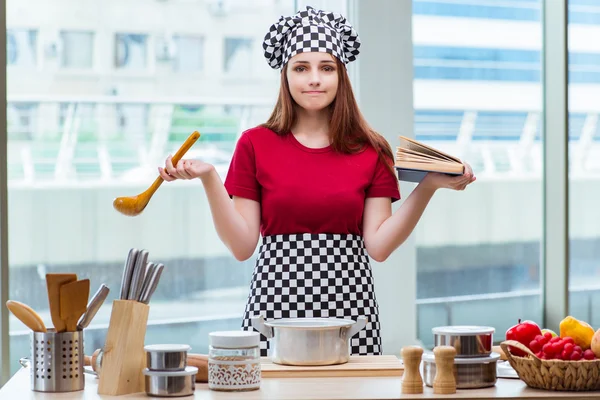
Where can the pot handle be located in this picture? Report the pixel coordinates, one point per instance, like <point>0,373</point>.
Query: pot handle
<point>360,323</point>
<point>258,322</point>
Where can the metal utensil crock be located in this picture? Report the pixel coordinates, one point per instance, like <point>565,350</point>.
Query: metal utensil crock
<point>309,341</point>
<point>57,361</point>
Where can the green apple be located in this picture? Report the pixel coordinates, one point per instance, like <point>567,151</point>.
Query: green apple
<point>551,332</point>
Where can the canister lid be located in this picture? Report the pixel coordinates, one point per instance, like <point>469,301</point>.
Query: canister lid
<point>464,330</point>
<point>493,357</point>
<point>189,370</point>
<point>167,348</point>
<point>234,339</point>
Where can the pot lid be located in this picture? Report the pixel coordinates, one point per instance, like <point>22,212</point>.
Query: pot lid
<point>493,357</point>
<point>310,323</point>
<point>463,330</point>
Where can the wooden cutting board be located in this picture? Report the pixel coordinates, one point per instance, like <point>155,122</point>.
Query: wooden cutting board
<point>357,366</point>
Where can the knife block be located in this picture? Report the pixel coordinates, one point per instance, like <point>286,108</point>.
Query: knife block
<point>124,358</point>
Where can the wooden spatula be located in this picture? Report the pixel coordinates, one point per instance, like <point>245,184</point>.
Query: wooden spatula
<point>73,302</point>
<point>26,315</point>
<point>53,283</point>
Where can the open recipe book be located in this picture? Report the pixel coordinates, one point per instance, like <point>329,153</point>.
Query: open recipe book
<point>415,159</point>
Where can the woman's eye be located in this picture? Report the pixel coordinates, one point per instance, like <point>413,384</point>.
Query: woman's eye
<point>300,69</point>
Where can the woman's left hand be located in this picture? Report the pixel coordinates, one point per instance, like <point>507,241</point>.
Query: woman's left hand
<point>435,180</point>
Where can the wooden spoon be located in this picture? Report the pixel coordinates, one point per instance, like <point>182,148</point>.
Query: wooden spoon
<point>73,302</point>
<point>26,315</point>
<point>134,205</point>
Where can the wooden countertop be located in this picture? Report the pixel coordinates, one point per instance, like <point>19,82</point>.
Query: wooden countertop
<point>304,388</point>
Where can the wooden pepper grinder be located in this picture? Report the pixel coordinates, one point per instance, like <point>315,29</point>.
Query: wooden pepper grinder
<point>412,383</point>
<point>444,382</point>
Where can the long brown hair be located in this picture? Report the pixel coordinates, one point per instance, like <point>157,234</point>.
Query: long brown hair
<point>349,129</point>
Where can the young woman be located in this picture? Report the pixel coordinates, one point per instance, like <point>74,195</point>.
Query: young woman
<point>317,183</point>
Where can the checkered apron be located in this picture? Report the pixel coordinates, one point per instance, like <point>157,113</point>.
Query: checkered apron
<point>311,276</point>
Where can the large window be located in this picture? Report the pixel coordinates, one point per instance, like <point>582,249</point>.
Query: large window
<point>584,165</point>
<point>77,49</point>
<point>478,95</point>
<point>238,55</point>
<point>189,53</point>
<point>96,102</point>
<point>21,48</point>
<point>131,51</point>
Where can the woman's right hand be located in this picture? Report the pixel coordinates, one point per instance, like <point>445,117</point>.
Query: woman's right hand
<point>185,169</point>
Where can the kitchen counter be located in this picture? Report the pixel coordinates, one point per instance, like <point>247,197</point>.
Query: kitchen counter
<point>304,388</point>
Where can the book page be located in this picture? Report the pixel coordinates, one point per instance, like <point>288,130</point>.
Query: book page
<point>402,152</point>
<point>422,148</point>
<point>452,168</point>
<point>424,160</point>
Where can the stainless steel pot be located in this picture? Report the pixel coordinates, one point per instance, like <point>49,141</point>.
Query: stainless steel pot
<point>309,341</point>
<point>469,373</point>
<point>469,341</point>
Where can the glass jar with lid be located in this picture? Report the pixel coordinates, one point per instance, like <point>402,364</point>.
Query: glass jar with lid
<point>234,361</point>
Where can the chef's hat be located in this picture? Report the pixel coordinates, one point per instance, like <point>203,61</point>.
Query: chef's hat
<point>310,31</point>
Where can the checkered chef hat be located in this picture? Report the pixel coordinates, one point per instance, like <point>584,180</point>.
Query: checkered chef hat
<point>310,31</point>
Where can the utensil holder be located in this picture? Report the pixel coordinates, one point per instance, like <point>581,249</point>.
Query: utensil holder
<point>57,361</point>
<point>124,359</point>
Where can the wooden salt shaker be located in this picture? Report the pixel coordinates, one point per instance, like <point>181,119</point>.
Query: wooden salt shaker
<point>412,383</point>
<point>444,382</point>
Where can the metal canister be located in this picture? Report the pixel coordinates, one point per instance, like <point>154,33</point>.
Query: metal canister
<point>469,373</point>
<point>469,341</point>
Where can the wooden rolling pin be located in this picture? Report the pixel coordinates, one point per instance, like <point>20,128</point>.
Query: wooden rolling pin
<point>199,361</point>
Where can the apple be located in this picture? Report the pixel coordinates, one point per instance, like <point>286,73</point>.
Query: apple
<point>551,332</point>
<point>523,332</point>
<point>596,343</point>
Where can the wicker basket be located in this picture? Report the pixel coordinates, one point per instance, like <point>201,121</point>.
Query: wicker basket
<point>553,374</point>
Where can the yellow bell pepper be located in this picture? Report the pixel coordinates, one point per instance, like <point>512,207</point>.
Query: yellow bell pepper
<point>581,332</point>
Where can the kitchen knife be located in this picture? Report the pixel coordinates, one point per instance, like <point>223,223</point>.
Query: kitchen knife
<point>137,278</point>
<point>153,283</point>
<point>127,273</point>
<point>146,285</point>
<point>93,307</point>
